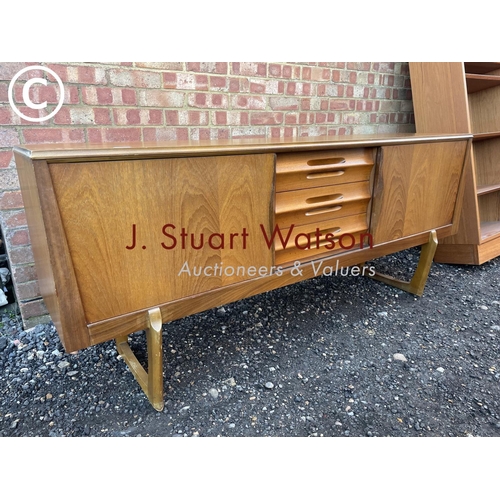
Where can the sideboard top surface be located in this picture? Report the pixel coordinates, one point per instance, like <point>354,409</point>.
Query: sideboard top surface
<point>75,152</point>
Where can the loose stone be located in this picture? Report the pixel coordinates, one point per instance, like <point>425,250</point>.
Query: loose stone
<point>399,357</point>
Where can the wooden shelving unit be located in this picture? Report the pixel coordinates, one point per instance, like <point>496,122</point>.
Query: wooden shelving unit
<point>465,97</point>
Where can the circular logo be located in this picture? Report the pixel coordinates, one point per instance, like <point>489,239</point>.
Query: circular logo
<point>26,97</point>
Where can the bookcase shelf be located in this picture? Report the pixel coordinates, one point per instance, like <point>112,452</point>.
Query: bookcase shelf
<point>465,97</point>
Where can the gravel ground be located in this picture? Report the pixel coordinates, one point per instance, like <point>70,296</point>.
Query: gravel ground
<point>344,356</point>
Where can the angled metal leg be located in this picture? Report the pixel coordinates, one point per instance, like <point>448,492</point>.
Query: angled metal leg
<point>417,283</point>
<point>151,381</point>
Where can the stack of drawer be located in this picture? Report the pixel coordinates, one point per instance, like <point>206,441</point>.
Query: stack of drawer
<point>325,197</point>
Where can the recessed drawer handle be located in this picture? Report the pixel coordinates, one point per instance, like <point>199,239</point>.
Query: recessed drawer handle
<point>322,175</point>
<point>324,210</point>
<point>322,199</point>
<point>326,161</point>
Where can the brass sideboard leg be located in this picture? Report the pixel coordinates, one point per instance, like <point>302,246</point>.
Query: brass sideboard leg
<point>417,283</point>
<point>151,381</point>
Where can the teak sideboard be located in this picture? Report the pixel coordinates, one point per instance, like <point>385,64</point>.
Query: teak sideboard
<point>127,237</point>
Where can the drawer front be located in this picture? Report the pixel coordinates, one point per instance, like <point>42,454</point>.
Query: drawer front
<point>313,169</point>
<point>303,243</point>
<point>307,206</point>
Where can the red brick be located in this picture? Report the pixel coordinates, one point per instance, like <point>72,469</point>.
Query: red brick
<point>220,117</point>
<point>155,117</point>
<point>133,117</point>
<point>275,70</point>
<point>284,103</point>
<point>275,132</point>
<point>320,118</point>
<point>191,81</point>
<point>102,116</point>
<point>32,309</point>
<point>10,200</point>
<point>29,290</point>
<point>312,131</point>
<point>257,88</point>
<point>249,69</point>
<point>6,116</point>
<point>198,100</point>
<point>266,118</point>
<point>231,118</point>
<point>160,98</point>
<point>159,134</point>
<point>128,96</point>
<point>86,74</point>
<point>63,117</point>
<point>73,135</point>
<point>14,219</point>
<point>21,255</point>
<point>122,134</point>
<point>94,135</point>
<point>18,237</point>
<point>4,92</point>
<point>170,80</point>
<point>9,69</point>
<point>22,274</point>
<point>218,83</point>
<point>61,71</point>
<point>255,132</point>
<point>78,74</point>
<point>5,158</point>
<point>136,116</point>
<point>104,96</point>
<point>191,117</point>
<point>237,84</point>
<point>171,117</point>
<point>248,102</point>
<point>172,66</point>
<point>204,134</point>
<point>287,71</point>
<point>207,67</point>
<point>41,135</point>
<point>8,138</point>
<point>135,78</point>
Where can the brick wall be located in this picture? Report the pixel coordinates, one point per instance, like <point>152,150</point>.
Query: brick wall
<point>109,102</point>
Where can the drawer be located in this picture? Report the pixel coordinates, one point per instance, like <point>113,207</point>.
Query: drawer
<point>307,206</point>
<point>303,243</point>
<point>321,168</point>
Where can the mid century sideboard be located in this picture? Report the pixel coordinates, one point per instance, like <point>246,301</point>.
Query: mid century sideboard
<point>127,237</point>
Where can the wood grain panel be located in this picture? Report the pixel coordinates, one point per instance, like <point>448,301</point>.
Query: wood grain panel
<point>218,199</point>
<point>439,97</point>
<point>416,189</point>
<point>487,155</point>
<point>489,208</point>
<point>484,111</point>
